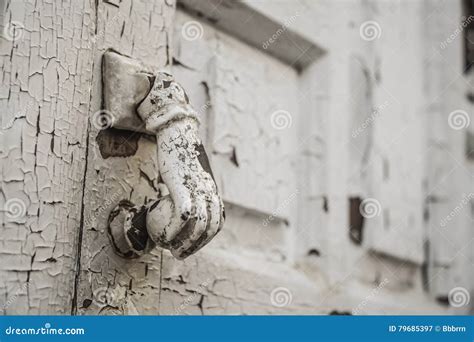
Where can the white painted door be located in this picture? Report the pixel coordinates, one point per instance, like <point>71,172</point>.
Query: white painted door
<point>248,103</point>
<point>57,185</point>
<point>62,173</point>
<point>121,165</point>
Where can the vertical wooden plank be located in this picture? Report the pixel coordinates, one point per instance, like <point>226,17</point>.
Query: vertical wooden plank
<point>46,71</point>
<point>121,165</point>
<point>449,186</point>
<point>395,228</point>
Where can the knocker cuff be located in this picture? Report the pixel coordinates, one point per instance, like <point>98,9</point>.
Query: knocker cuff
<point>158,119</point>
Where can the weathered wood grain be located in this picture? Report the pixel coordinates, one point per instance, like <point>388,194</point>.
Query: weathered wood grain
<point>108,284</point>
<point>45,73</point>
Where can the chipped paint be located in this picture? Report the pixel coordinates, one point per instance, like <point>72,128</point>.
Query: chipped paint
<point>140,30</point>
<point>184,168</point>
<point>193,214</point>
<point>56,224</point>
<point>45,96</point>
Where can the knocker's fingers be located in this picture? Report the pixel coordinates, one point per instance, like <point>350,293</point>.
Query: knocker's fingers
<point>190,236</point>
<point>184,205</point>
<point>163,224</point>
<point>216,228</point>
<point>215,222</point>
<point>222,215</point>
<point>168,217</point>
<point>215,209</point>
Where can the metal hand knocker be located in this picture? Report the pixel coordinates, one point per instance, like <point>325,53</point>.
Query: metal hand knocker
<point>193,213</point>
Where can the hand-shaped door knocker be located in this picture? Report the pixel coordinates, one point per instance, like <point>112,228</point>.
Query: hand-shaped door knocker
<point>193,213</point>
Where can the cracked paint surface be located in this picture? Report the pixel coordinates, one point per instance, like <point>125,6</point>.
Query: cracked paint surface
<point>184,168</point>
<point>245,142</point>
<point>235,98</point>
<point>139,29</point>
<point>193,213</point>
<point>44,96</point>
<point>47,98</point>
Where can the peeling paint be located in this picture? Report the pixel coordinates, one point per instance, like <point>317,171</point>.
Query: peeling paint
<point>45,95</point>
<point>124,164</point>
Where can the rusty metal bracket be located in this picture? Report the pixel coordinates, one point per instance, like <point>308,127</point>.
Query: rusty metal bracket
<point>138,98</point>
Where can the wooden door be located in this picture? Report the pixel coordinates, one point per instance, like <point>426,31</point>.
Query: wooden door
<point>248,102</point>
<point>121,165</point>
<point>61,174</point>
<point>46,60</point>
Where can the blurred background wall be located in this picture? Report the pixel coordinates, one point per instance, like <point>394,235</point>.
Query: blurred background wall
<point>340,133</point>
